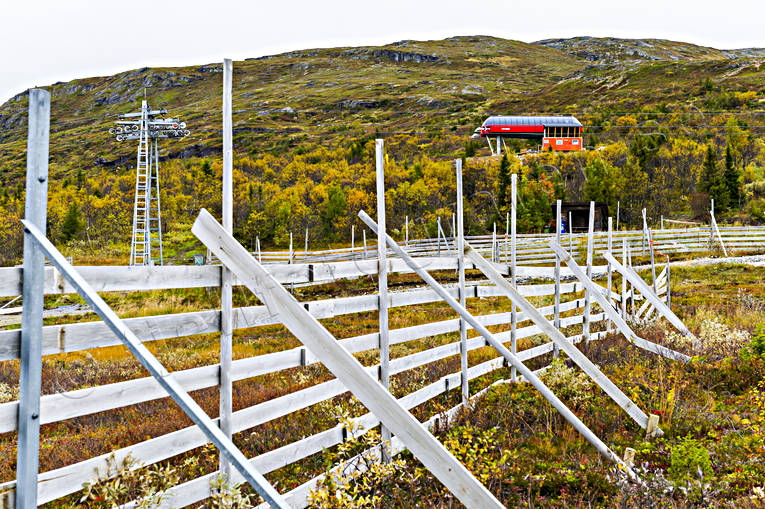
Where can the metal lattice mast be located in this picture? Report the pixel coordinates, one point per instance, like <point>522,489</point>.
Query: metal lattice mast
<point>146,238</point>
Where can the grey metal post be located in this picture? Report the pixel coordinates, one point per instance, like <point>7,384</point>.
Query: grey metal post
<point>364,238</point>
<point>618,204</point>
<point>463,296</point>
<point>382,285</point>
<point>353,234</point>
<point>30,369</point>
<point>407,231</point>
<point>610,245</point>
<point>513,280</point>
<point>292,253</point>
<point>226,289</point>
<point>556,316</point>
<point>587,296</point>
<point>305,253</point>
<point>257,243</point>
<point>662,222</point>
<point>570,235</point>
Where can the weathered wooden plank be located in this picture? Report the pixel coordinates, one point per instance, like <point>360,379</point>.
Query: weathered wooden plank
<point>346,368</point>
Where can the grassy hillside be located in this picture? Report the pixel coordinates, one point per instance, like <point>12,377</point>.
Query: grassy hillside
<point>304,121</point>
<point>319,96</point>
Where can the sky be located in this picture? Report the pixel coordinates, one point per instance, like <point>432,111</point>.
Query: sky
<point>47,41</point>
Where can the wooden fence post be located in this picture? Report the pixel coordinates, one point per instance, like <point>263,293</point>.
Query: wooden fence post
<point>494,243</point>
<point>668,287</point>
<point>226,289</point>
<point>30,368</point>
<point>556,313</point>
<point>513,280</point>
<point>382,286</point>
<point>463,296</point>
<point>587,296</point>
<point>353,240</point>
<point>507,232</point>
<point>609,282</point>
<point>653,266</point>
<point>624,279</point>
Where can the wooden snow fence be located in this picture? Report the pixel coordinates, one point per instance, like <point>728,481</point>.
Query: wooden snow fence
<point>95,334</point>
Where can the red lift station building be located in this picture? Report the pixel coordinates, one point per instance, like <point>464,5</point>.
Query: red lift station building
<point>555,133</point>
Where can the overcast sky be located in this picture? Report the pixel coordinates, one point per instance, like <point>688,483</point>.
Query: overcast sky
<point>45,41</point>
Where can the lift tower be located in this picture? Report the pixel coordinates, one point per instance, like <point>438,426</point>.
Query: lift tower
<point>147,126</point>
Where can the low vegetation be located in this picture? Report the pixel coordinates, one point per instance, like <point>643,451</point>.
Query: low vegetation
<point>712,411</point>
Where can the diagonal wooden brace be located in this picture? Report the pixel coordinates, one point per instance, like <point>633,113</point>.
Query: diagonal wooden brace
<point>445,467</point>
<point>612,313</point>
<point>558,338</point>
<point>511,358</point>
<point>641,285</point>
<point>158,371</point>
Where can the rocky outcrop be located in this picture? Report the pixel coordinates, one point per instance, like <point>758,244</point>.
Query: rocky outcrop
<point>393,55</point>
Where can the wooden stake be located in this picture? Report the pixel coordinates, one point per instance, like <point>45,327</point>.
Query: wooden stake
<point>556,313</point>
<point>587,296</point>
<point>226,290</point>
<point>513,280</point>
<point>382,286</point>
<point>463,296</point>
<point>30,368</point>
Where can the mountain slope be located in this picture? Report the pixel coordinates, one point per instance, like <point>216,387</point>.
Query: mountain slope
<point>423,88</point>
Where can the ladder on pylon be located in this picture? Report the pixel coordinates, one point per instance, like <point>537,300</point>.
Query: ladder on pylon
<point>147,126</point>
<point>146,244</point>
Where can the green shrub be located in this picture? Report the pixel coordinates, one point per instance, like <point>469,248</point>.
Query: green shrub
<point>756,347</point>
<point>688,458</point>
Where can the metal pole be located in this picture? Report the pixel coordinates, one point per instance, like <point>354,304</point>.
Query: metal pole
<point>30,368</point>
<point>353,234</point>
<point>513,280</point>
<point>556,316</point>
<point>407,231</point>
<point>260,256</point>
<point>617,214</point>
<point>587,296</point>
<point>226,289</point>
<point>463,296</point>
<point>382,285</point>
<point>364,235</point>
<point>570,235</point>
<point>291,251</point>
<point>305,253</point>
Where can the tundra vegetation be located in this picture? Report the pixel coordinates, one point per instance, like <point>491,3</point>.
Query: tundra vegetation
<point>712,409</point>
